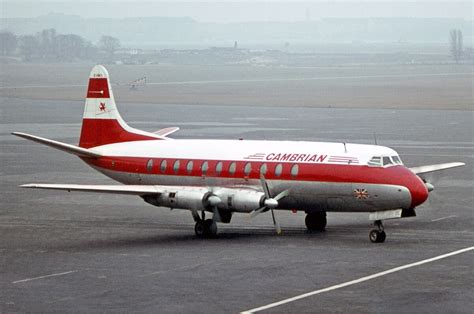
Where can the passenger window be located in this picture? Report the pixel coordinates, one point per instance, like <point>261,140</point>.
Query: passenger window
<point>247,168</point>
<point>232,168</point>
<point>176,166</point>
<point>278,170</point>
<point>294,171</point>
<point>387,161</point>
<point>263,169</point>
<point>204,168</point>
<point>163,166</point>
<point>219,168</point>
<point>149,165</point>
<point>189,166</point>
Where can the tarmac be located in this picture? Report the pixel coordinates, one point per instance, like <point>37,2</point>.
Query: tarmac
<point>73,252</point>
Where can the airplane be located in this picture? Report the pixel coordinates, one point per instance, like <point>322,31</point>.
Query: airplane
<point>224,177</point>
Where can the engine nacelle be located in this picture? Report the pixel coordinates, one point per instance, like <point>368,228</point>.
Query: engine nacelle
<point>183,198</point>
<point>227,200</point>
<point>239,200</point>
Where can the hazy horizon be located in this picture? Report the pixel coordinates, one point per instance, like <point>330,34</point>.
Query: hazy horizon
<point>242,11</point>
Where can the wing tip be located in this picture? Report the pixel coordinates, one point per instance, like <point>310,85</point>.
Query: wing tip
<point>27,186</point>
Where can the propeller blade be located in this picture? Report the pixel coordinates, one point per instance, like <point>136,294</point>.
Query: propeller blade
<point>275,223</point>
<point>283,194</point>
<point>265,186</point>
<point>257,211</point>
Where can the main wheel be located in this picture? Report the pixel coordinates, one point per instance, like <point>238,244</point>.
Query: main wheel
<point>200,229</point>
<point>377,236</point>
<point>316,221</point>
<point>211,227</point>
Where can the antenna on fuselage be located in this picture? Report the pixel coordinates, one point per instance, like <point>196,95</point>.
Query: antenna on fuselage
<point>345,148</point>
<point>375,138</point>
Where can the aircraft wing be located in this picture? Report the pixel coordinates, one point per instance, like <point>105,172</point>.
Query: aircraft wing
<point>113,189</point>
<point>432,168</point>
<point>166,131</point>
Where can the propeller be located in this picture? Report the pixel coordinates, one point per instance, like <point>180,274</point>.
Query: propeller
<point>269,203</point>
<point>431,180</point>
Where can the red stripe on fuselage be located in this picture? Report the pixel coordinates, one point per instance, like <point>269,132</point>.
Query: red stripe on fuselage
<point>98,88</point>
<point>396,175</point>
<point>97,132</point>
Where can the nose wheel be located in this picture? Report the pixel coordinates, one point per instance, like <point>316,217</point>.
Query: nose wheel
<point>377,235</point>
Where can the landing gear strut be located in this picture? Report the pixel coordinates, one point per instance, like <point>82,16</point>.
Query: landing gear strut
<point>316,221</point>
<point>205,228</point>
<point>377,235</point>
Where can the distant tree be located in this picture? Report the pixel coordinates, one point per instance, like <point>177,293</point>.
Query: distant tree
<point>453,39</point>
<point>109,44</point>
<point>69,47</point>
<point>456,44</point>
<point>460,44</point>
<point>8,43</point>
<point>47,43</point>
<point>90,51</point>
<point>29,46</point>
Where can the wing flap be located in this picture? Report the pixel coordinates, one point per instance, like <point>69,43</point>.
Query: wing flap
<point>68,148</point>
<point>437,167</point>
<point>113,189</point>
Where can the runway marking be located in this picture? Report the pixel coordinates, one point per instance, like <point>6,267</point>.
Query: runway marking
<point>356,281</point>
<point>443,218</point>
<point>45,276</point>
<point>256,80</point>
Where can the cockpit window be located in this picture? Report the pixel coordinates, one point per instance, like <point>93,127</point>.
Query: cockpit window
<point>379,161</point>
<point>387,161</point>
<point>375,161</point>
<point>397,160</point>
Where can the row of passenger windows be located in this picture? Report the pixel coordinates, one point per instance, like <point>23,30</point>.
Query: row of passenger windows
<point>219,168</point>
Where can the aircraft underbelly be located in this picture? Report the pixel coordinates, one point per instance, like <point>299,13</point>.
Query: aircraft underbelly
<point>304,195</point>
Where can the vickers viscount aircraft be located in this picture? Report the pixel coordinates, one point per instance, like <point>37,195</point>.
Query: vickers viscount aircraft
<point>224,177</point>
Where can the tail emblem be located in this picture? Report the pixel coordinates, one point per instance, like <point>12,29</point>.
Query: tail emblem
<point>102,106</point>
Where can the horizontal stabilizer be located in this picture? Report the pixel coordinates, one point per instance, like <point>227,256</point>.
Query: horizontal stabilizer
<point>166,131</point>
<point>437,167</point>
<point>112,189</point>
<point>68,148</point>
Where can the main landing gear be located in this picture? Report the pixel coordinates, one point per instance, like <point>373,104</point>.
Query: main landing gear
<point>316,221</point>
<point>205,228</point>
<point>377,235</point>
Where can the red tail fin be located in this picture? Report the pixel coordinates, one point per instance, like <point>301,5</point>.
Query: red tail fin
<point>102,123</point>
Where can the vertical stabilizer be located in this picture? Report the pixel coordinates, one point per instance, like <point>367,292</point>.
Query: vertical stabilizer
<point>102,123</point>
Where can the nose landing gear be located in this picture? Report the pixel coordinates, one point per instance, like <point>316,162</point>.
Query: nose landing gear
<point>377,235</point>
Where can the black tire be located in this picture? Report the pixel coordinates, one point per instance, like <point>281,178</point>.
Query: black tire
<point>382,236</point>
<point>377,236</point>
<point>316,221</point>
<point>200,229</point>
<point>211,228</point>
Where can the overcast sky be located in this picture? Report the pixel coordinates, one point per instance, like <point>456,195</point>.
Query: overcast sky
<point>240,11</point>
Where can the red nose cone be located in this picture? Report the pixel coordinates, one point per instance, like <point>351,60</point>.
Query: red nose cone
<point>418,191</point>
